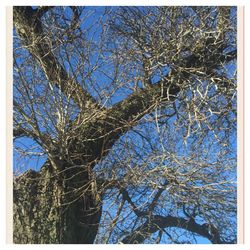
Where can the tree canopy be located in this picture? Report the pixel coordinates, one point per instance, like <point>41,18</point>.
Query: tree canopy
<point>133,112</point>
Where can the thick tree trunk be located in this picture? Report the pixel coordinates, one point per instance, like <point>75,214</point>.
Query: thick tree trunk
<point>49,209</point>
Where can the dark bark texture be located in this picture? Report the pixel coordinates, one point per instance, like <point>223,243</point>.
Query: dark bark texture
<point>47,211</point>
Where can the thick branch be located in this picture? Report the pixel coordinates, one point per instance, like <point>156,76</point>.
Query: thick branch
<point>159,222</point>
<point>28,26</point>
<point>107,128</point>
<point>140,103</point>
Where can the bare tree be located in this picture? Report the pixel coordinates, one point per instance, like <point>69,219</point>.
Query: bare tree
<point>134,110</point>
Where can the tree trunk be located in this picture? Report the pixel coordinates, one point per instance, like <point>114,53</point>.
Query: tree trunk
<point>49,209</point>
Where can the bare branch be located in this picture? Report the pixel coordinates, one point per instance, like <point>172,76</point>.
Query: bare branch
<point>30,30</point>
<point>158,222</point>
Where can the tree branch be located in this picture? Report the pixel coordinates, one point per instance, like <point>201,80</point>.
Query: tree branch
<point>126,197</point>
<point>28,26</point>
<point>140,103</point>
<point>157,196</point>
<point>20,132</point>
<point>160,222</point>
<point>42,10</point>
